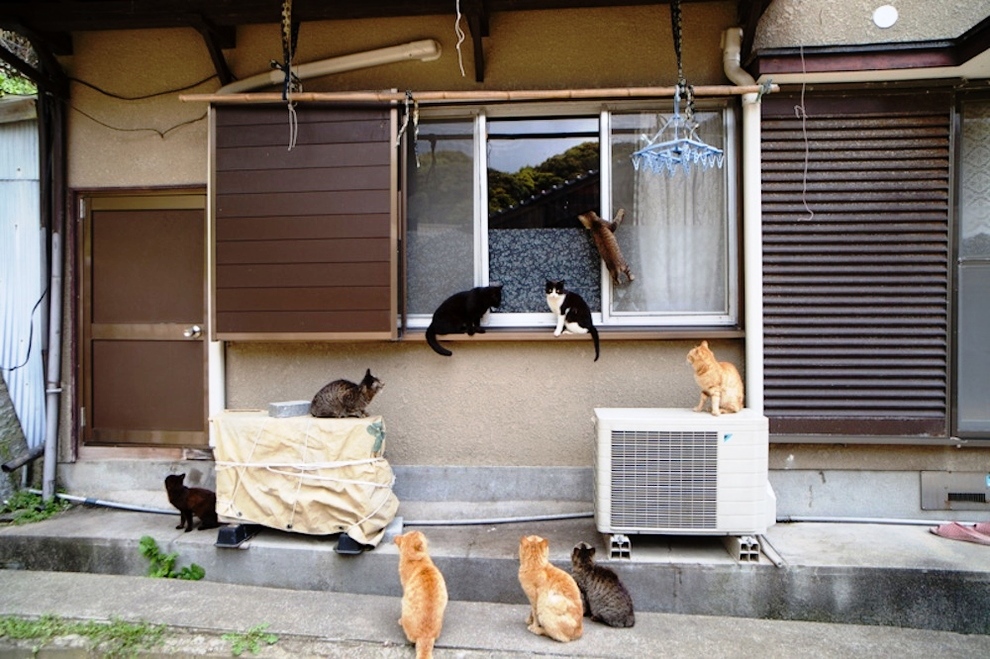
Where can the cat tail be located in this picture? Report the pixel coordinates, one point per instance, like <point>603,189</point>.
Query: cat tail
<point>431,338</point>
<point>424,648</point>
<point>594,337</point>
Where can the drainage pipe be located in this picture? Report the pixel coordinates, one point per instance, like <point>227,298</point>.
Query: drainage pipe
<point>425,50</point>
<point>88,501</point>
<point>752,217</point>
<point>866,520</point>
<point>53,387</point>
<point>789,519</point>
<point>495,520</point>
<point>23,459</point>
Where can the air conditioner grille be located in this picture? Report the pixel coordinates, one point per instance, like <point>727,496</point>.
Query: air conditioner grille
<point>663,479</point>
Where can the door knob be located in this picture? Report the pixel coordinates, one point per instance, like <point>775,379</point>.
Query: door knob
<point>193,332</point>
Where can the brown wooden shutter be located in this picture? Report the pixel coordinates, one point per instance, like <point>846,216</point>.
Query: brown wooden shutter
<point>856,284</point>
<point>305,238</point>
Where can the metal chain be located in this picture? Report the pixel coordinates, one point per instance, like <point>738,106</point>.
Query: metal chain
<point>675,22</point>
<point>677,26</point>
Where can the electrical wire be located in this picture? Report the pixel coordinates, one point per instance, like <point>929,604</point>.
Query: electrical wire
<point>27,356</point>
<point>161,133</point>
<point>143,96</point>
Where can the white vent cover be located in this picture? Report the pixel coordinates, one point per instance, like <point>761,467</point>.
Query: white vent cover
<point>677,471</point>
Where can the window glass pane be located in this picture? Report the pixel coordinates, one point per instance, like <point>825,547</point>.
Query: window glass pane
<point>675,232</point>
<point>974,186</point>
<point>440,214</point>
<point>542,173</point>
<point>973,272</point>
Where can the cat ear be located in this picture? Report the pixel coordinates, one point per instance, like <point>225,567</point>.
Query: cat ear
<point>704,343</point>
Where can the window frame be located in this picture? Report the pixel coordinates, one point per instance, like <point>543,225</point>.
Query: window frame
<point>730,320</point>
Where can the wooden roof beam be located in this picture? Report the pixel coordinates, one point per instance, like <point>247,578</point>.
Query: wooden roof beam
<point>216,38</point>
<point>477,19</point>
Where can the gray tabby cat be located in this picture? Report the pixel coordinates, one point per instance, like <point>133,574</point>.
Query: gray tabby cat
<point>342,398</point>
<point>605,599</point>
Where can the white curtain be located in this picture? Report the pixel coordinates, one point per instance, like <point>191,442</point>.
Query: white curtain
<point>674,235</point>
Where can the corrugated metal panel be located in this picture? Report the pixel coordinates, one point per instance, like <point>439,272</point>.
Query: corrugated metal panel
<point>856,258</point>
<point>23,329</point>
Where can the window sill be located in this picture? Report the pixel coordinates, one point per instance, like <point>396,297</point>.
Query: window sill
<point>610,334</point>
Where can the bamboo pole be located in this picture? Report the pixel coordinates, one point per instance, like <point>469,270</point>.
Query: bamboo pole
<point>475,96</point>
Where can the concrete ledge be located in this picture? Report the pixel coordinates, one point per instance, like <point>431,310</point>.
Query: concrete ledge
<point>862,574</point>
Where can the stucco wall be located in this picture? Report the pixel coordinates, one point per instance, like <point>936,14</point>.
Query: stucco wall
<point>790,23</point>
<point>493,403</point>
<point>162,141</point>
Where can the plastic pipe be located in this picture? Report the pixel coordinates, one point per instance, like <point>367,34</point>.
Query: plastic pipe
<point>752,218</point>
<point>866,520</point>
<point>53,387</point>
<point>88,501</point>
<point>425,50</point>
<point>496,520</point>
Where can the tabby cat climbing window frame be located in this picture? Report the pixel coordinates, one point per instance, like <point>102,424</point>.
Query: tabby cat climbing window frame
<point>680,236</point>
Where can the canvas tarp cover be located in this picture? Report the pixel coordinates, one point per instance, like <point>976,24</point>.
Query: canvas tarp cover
<point>304,474</point>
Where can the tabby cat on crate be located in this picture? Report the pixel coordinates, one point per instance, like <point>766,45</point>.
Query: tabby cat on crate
<point>461,313</point>
<point>572,313</point>
<point>343,398</point>
<point>719,381</point>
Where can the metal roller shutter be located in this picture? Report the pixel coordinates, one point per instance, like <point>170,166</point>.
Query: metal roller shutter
<point>856,264</point>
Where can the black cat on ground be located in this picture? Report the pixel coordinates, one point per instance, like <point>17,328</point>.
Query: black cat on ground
<point>190,501</point>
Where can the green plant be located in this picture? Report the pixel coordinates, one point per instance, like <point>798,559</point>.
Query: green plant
<point>27,507</point>
<point>14,84</point>
<point>115,638</point>
<point>250,640</point>
<point>163,565</point>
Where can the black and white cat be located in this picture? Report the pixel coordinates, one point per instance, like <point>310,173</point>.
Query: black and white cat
<point>461,313</point>
<point>572,312</point>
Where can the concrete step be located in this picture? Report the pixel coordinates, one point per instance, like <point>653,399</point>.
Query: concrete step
<point>877,574</point>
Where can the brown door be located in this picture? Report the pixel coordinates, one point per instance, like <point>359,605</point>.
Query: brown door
<point>144,371</point>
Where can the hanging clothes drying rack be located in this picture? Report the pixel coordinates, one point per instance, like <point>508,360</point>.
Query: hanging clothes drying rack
<point>676,144</point>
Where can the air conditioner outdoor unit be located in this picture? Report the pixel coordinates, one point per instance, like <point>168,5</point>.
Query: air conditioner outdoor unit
<point>674,471</point>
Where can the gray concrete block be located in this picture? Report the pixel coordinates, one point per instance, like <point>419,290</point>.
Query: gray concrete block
<point>288,408</point>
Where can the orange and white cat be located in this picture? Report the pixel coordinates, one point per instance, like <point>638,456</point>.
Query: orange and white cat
<point>719,381</point>
<point>424,593</point>
<point>554,597</point>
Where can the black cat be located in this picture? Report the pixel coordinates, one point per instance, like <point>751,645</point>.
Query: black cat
<point>572,312</point>
<point>461,314</point>
<point>190,501</point>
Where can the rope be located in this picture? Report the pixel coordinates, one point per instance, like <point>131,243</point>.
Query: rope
<point>290,36</point>
<point>801,113</point>
<point>460,35</point>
